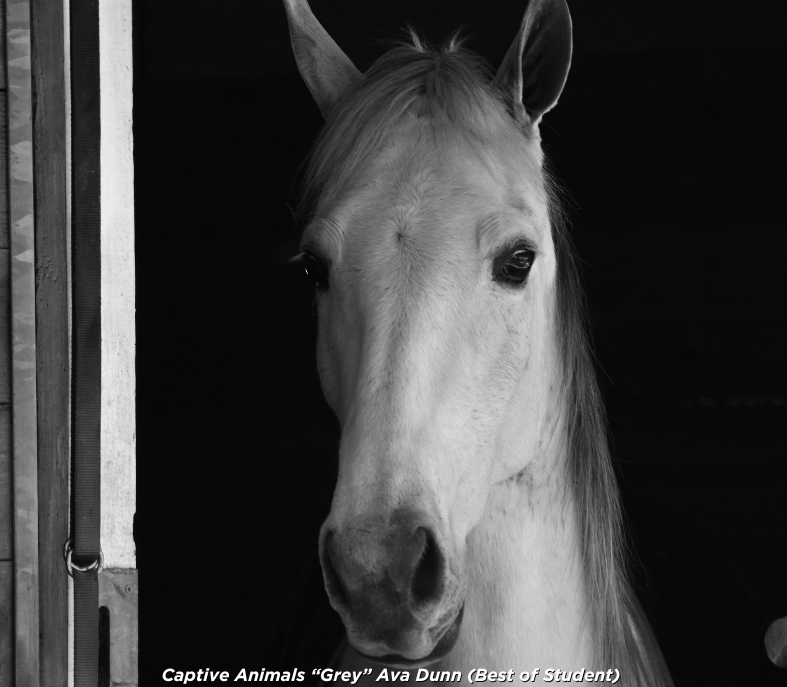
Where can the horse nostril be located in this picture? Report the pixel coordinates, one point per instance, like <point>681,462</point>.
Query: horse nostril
<point>426,585</point>
<point>333,582</point>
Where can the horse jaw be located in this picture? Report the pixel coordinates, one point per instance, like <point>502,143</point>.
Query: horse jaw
<point>526,602</point>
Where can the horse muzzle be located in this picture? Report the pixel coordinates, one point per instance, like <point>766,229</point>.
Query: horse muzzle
<point>390,584</point>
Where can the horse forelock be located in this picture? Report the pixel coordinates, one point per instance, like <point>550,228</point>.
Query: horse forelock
<point>450,87</point>
<point>453,88</point>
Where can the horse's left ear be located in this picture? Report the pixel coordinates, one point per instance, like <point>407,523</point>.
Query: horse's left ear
<point>327,71</point>
<point>536,66</point>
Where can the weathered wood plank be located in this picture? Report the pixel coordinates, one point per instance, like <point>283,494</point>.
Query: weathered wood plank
<point>23,344</point>
<point>5,328</point>
<point>3,82</point>
<point>118,336</point>
<point>52,352</point>
<point>6,511</point>
<point>119,592</point>
<point>6,623</point>
<point>3,169</point>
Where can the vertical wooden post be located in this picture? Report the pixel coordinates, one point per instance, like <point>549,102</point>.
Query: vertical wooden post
<point>118,335</point>
<point>52,331</point>
<point>6,479</point>
<point>118,584</point>
<point>23,340</point>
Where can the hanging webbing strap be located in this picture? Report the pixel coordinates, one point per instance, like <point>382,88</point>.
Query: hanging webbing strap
<point>86,332</point>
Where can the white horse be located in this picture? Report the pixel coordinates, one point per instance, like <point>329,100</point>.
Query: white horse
<point>476,521</point>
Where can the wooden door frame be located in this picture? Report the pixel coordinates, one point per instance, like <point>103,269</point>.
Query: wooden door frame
<point>47,663</point>
<point>50,160</point>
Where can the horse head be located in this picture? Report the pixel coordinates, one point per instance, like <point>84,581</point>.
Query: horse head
<point>430,244</point>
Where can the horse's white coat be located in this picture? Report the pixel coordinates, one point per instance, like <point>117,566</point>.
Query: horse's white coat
<point>446,385</point>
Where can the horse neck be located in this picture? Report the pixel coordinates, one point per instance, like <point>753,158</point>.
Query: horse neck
<point>526,603</point>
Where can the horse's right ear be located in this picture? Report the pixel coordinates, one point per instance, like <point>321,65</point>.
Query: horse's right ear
<point>535,68</point>
<point>327,71</point>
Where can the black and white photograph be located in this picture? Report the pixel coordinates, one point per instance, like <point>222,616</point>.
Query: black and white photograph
<point>348,448</point>
<point>371,342</point>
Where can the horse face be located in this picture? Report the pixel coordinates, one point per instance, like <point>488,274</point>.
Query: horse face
<point>435,355</point>
<point>437,360</point>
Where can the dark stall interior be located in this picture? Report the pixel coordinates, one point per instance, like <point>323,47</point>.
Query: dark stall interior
<point>670,139</point>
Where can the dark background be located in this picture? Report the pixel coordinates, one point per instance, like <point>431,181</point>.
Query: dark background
<point>670,137</point>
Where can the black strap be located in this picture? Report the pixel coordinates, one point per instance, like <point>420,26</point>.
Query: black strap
<point>86,331</point>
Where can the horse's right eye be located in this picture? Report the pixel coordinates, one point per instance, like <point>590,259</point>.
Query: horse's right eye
<point>315,270</point>
<point>513,266</point>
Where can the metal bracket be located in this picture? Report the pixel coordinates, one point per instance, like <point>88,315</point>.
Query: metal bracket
<point>118,591</point>
<point>68,549</point>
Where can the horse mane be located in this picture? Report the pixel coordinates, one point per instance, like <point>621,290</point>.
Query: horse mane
<point>454,87</point>
<point>623,634</point>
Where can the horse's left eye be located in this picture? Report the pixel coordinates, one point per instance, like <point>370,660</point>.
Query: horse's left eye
<point>315,270</point>
<point>514,267</point>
